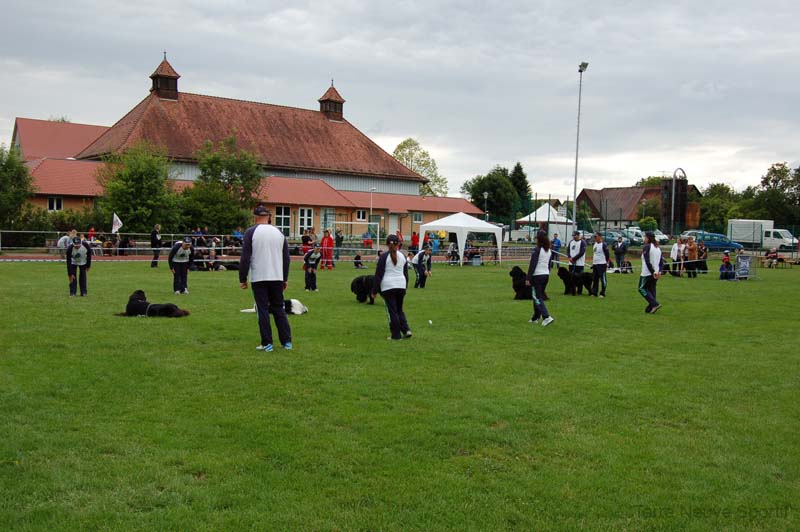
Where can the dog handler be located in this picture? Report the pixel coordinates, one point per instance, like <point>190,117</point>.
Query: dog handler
<point>538,275</point>
<point>599,265</point>
<point>651,271</point>
<point>576,253</point>
<point>181,257</point>
<point>422,266</point>
<point>265,257</point>
<point>391,280</point>
<point>79,260</point>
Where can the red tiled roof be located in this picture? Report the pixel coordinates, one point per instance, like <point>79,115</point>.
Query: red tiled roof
<point>403,203</point>
<point>165,70</point>
<point>332,95</point>
<point>296,191</point>
<point>281,137</point>
<point>46,138</point>
<point>65,177</point>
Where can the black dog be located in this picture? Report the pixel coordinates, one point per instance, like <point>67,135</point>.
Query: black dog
<point>362,288</point>
<point>521,291</point>
<point>139,306</point>
<point>575,282</point>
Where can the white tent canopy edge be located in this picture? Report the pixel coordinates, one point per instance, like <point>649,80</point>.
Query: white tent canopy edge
<point>461,224</point>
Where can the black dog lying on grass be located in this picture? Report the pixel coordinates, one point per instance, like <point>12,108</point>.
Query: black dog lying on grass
<point>139,306</point>
<point>362,288</point>
<point>575,282</point>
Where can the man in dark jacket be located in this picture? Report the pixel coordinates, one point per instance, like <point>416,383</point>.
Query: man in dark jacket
<point>181,257</point>
<point>155,243</point>
<point>79,260</point>
<point>619,252</point>
<point>422,264</point>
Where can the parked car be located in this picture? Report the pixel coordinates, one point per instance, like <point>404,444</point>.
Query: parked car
<point>609,237</point>
<point>661,237</point>
<point>634,234</point>
<point>713,241</point>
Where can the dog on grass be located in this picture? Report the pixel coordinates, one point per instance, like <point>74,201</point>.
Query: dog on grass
<point>139,306</point>
<point>292,306</point>
<point>521,290</point>
<point>362,288</point>
<point>575,282</point>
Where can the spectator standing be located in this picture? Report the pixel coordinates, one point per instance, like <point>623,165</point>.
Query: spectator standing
<point>651,261</point>
<point>538,276</point>
<point>79,260</point>
<point>702,257</point>
<point>676,255</point>
<point>620,249</point>
<point>338,241</point>
<point>414,242</point>
<point>400,239</point>
<point>555,248</point>
<point>65,241</point>
<point>310,265</point>
<point>391,280</point>
<point>155,243</point>
<point>265,258</point>
<point>181,257</point>
<point>92,233</point>
<point>327,249</point>
<point>600,258</point>
<point>306,241</point>
<point>691,258</point>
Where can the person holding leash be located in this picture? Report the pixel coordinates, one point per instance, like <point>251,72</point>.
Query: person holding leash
<point>391,280</point>
<point>576,253</point>
<point>599,265</point>
<point>651,271</point>
<point>265,258</point>
<point>538,275</point>
<point>79,260</point>
<point>181,257</point>
<point>310,265</point>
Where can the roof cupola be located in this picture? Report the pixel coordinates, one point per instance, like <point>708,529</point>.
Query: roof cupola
<point>165,80</point>
<point>332,103</point>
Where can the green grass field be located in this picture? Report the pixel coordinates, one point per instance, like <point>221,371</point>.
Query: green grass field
<point>607,419</point>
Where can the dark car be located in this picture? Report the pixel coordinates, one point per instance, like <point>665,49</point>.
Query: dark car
<point>610,237</point>
<point>713,241</point>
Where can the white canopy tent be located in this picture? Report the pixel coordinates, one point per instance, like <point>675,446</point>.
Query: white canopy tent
<point>546,214</point>
<point>461,224</point>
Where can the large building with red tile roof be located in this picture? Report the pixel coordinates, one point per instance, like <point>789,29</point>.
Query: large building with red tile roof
<point>318,167</point>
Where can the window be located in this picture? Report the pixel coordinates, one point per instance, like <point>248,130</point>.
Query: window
<point>416,218</point>
<point>54,203</point>
<point>283,217</point>
<point>361,215</point>
<point>328,218</point>
<point>767,234</point>
<point>306,218</point>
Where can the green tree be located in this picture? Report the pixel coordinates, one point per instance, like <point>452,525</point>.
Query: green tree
<point>649,181</point>
<point>650,208</point>
<point>519,180</point>
<point>648,223</point>
<point>410,153</point>
<point>226,189</point>
<point>717,204</point>
<point>16,186</point>
<point>502,199</point>
<point>136,188</point>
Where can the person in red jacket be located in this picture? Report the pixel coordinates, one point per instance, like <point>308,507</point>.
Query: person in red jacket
<point>414,242</point>
<point>327,250</point>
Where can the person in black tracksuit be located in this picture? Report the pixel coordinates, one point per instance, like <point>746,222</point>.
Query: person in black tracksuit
<point>155,243</point>
<point>181,257</point>
<point>422,264</point>
<point>310,265</point>
<point>79,260</point>
<point>599,266</point>
<point>619,252</point>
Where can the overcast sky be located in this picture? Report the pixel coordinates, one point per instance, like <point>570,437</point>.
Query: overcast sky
<point>707,86</point>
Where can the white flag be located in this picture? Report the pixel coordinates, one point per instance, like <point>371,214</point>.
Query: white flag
<point>116,224</point>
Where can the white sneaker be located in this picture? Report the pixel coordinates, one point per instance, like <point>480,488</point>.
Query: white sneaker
<point>185,290</point>
<point>177,292</point>
<point>547,321</point>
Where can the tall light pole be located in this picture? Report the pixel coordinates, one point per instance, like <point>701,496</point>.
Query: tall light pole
<point>581,69</point>
<point>672,211</point>
<point>369,220</point>
<point>485,212</point>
